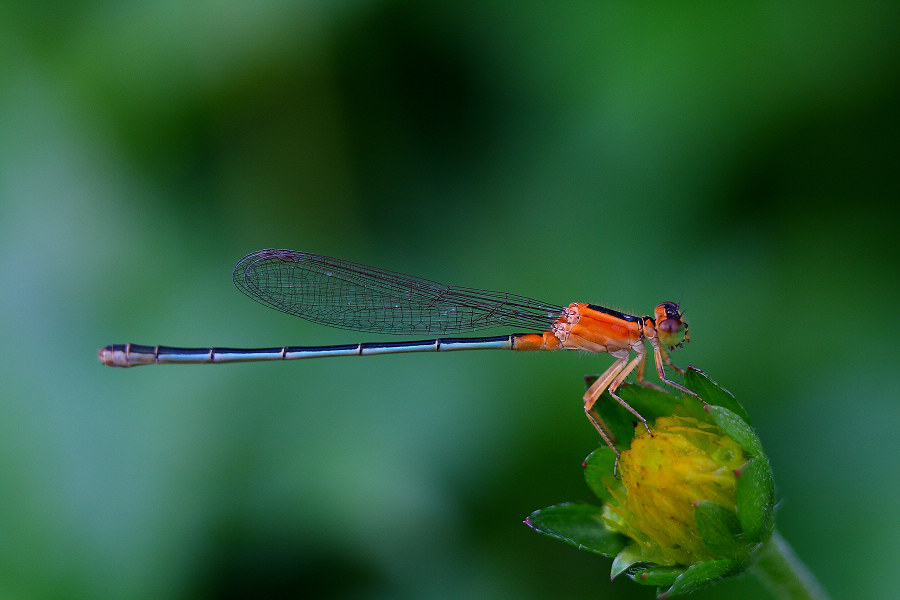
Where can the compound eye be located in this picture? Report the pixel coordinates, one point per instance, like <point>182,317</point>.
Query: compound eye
<point>666,310</point>
<point>670,332</point>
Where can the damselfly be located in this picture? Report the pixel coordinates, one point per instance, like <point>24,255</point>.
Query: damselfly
<point>347,295</point>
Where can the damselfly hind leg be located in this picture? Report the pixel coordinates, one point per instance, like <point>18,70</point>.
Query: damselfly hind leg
<point>637,360</point>
<point>610,380</point>
<point>594,392</point>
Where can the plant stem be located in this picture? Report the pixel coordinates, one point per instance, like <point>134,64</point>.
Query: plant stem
<point>783,574</point>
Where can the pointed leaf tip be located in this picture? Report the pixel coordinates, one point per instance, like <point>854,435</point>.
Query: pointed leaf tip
<point>580,525</point>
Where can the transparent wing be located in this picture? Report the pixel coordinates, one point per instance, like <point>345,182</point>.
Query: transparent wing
<point>347,295</point>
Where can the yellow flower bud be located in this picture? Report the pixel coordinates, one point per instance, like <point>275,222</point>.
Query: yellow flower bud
<point>663,477</point>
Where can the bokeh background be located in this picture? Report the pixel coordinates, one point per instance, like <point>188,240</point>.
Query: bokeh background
<point>741,159</point>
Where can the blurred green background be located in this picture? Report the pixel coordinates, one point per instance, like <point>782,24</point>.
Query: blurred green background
<point>738,158</point>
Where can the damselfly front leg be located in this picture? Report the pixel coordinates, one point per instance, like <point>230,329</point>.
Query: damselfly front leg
<point>596,390</point>
<point>661,357</point>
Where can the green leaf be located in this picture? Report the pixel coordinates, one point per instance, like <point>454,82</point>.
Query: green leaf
<point>737,429</point>
<point>656,575</point>
<point>598,472</point>
<point>630,555</point>
<point>719,528</point>
<point>701,575</point>
<point>699,382</point>
<point>580,525</point>
<point>755,499</point>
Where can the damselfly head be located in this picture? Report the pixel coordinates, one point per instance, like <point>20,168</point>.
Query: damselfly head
<point>671,329</point>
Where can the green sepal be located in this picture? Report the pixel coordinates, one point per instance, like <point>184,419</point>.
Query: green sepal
<point>699,382</point>
<point>701,575</point>
<point>737,429</point>
<point>656,575</point>
<point>598,472</point>
<point>627,558</point>
<point>755,499</point>
<point>580,525</point>
<point>720,529</point>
